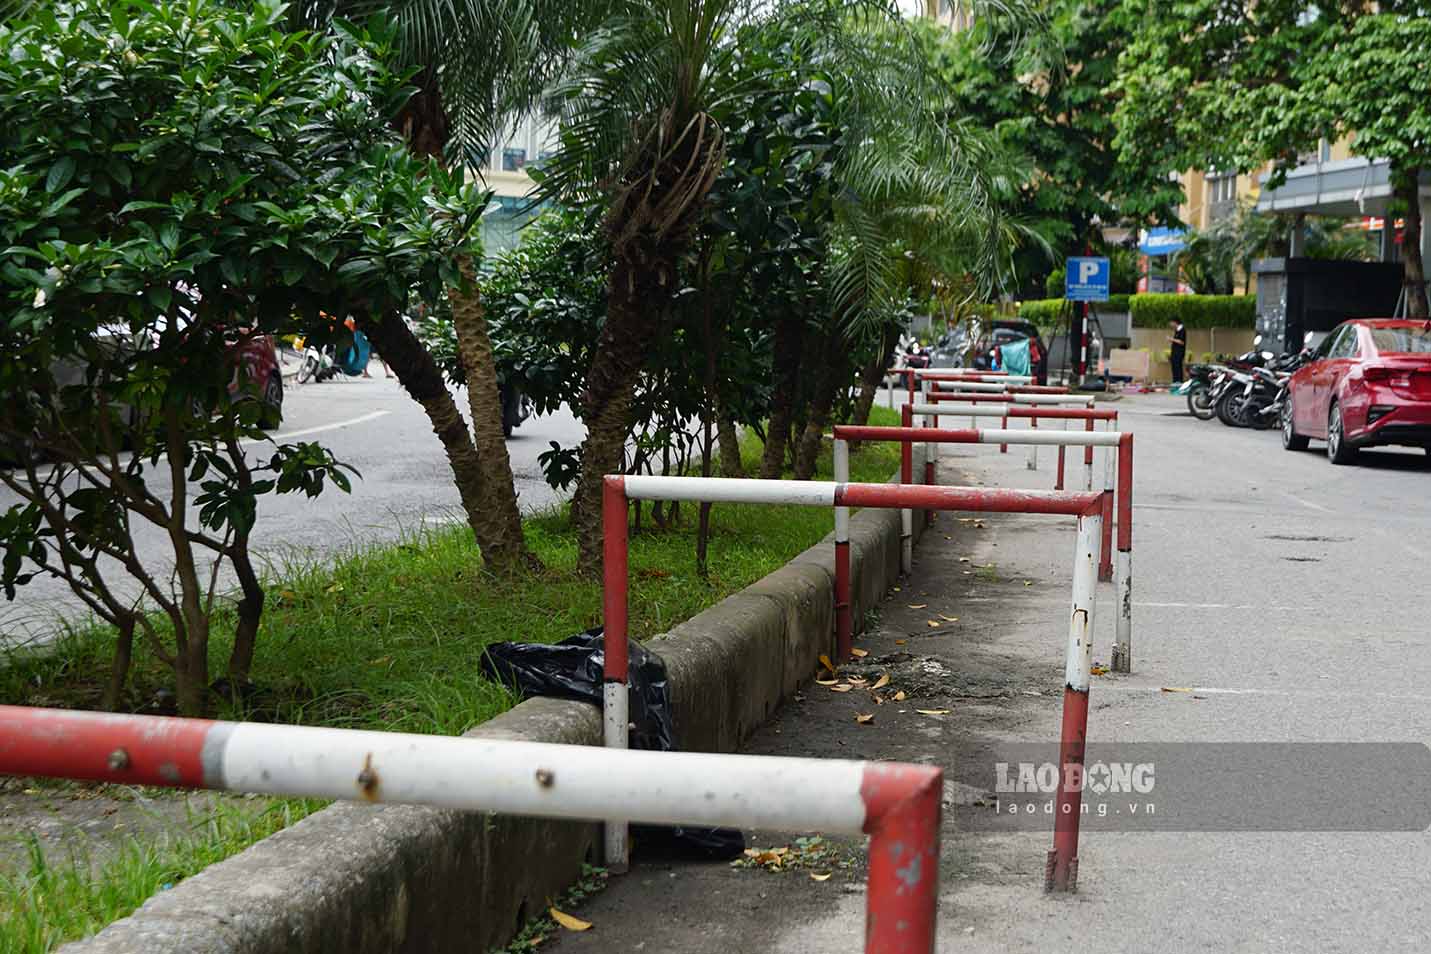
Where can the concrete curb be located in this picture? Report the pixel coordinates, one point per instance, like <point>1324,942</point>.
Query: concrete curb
<point>395,878</point>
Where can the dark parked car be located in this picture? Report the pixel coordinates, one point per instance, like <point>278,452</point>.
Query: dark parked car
<point>1367,384</point>
<point>1004,331</point>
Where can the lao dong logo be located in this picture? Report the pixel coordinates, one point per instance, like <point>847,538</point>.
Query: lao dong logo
<point>1100,778</point>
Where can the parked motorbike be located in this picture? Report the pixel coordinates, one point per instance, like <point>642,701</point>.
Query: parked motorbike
<point>1250,391</point>
<point>1198,390</point>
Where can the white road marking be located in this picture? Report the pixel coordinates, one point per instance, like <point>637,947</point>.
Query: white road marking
<point>1309,504</point>
<point>44,472</point>
<point>1105,686</point>
<point>318,429</point>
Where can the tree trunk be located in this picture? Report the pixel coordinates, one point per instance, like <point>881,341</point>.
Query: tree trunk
<point>606,398</point>
<point>871,375</point>
<point>1415,278</point>
<point>730,462</point>
<point>828,378</point>
<point>119,666</point>
<point>506,551</point>
<point>422,379</point>
<point>788,358</point>
<point>250,612</point>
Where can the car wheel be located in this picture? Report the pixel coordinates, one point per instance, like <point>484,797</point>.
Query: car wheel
<point>1338,450</point>
<point>1291,440</point>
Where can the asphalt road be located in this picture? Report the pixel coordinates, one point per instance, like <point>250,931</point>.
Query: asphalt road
<point>1280,593</point>
<point>369,423</point>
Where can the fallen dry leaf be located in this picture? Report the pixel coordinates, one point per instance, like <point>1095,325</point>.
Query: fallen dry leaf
<point>569,922</point>
<point>900,642</point>
<point>820,875</point>
<point>1099,670</point>
<point>881,682</point>
<point>825,661</point>
<point>825,682</point>
<point>864,718</point>
<point>859,653</point>
<point>963,559</point>
<point>1028,582</point>
<point>844,688</point>
<point>1176,689</point>
<point>949,619</point>
<point>918,605</point>
<point>933,623</point>
<point>932,711</point>
<point>900,696</point>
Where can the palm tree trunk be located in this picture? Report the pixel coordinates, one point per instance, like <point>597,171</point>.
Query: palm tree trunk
<point>829,378</point>
<point>788,358</point>
<point>1408,191</point>
<point>871,375</point>
<point>420,376</point>
<point>506,551</point>
<point>606,400</point>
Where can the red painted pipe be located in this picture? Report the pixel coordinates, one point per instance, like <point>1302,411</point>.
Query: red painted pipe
<point>902,816</point>
<point>1088,451</point>
<point>920,496</point>
<point>1105,556</point>
<point>1058,480</point>
<point>99,747</point>
<point>1062,872</point>
<point>953,375</point>
<point>906,450</point>
<point>614,578</point>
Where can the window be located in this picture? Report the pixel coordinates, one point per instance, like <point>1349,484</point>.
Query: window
<point>1346,346</point>
<point>513,159</point>
<point>1402,340</point>
<point>1222,195</point>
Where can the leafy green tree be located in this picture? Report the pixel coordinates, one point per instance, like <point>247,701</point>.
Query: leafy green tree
<point>1048,94</point>
<point>181,177</point>
<point>1217,84</point>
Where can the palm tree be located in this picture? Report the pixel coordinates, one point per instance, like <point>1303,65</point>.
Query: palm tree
<point>639,106</point>
<point>476,65</point>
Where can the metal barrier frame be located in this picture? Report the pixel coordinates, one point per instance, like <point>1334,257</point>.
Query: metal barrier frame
<point>898,806</point>
<point>1117,495</point>
<point>1088,507</point>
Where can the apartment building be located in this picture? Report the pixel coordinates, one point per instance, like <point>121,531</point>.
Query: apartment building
<point>507,173</point>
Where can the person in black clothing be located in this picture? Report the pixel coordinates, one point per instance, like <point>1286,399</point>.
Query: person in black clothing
<point>1177,347</point>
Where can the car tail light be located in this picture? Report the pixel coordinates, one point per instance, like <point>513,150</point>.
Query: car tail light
<point>1376,412</point>
<point>1376,372</point>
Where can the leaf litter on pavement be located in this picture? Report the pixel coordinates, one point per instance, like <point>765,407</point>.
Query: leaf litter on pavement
<point>811,853</point>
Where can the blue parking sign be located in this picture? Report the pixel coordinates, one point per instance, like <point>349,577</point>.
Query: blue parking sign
<point>1086,279</point>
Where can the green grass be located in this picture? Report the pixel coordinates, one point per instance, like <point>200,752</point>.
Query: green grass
<point>388,637</point>
<point>57,899</point>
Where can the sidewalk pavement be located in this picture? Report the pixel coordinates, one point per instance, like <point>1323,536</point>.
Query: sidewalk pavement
<point>979,630</point>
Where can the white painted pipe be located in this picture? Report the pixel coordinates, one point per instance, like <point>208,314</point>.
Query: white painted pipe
<point>960,409</point>
<point>971,387</point>
<point>732,490</point>
<point>616,728</point>
<point>1123,639</point>
<point>544,779</point>
<point>1087,401</point>
<point>1079,658</point>
<point>1045,438</point>
<point>906,540</point>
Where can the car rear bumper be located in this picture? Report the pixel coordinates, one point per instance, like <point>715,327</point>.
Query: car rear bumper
<point>1408,422</point>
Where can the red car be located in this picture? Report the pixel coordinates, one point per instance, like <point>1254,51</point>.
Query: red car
<point>1368,384</point>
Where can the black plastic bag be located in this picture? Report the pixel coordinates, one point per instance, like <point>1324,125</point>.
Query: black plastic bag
<point>573,669</point>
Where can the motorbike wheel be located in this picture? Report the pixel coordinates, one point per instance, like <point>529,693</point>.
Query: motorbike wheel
<point>1229,409</point>
<point>1259,420</point>
<point>307,369</point>
<point>1200,403</point>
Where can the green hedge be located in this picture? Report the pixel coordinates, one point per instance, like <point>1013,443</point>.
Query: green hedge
<point>1195,311</point>
<point>1045,312</point>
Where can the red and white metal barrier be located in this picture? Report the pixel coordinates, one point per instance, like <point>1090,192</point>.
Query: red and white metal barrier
<point>898,806</point>
<point>1070,400</point>
<point>994,387</point>
<point>1034,414</point>
<point>1117,486</point>
<point>962,374</point>
<point>619,491</point>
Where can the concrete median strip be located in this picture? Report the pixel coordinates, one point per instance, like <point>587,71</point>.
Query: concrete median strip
<point>376,879</point>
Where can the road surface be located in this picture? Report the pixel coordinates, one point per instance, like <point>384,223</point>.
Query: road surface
<point>369,423</point>
<point>1280,593</point>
